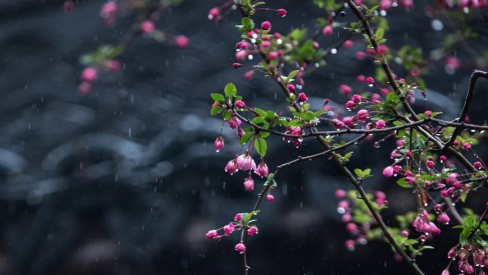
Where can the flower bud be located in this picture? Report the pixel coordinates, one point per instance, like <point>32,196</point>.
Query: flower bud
<point>219,144</point>
<point>302,97</point>
<point>238,217</point>
<point>211,234</point>
<point>252,230</point>
<point>240,247</point>
<point>249,184</point>
<point>147,26</point>
<point>270,198</point>
<point>282,12</point>
<point>228,229</point>
<point>388,172</point>
<point>380,124</point>
<point>89,74</point>
<point>231,167</point>
<point>327,30</point>
<point>370,80</point>
<point>266,26</point>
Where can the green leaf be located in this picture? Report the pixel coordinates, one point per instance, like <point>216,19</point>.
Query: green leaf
<point>245,138</point>
<point>463,237</point>
<point>230,90</point>
<point>260,112</point>
<point>270,115</point>
<point>258,120</point>
<point>226,114</point>
<point>264,134</point>
<point>261,146</point>
<point>403,183</point>
<point>470,221</point>
<point>216,110</point>
<point>217,97</point>
<point>247,23</point>
<point>379,33</point>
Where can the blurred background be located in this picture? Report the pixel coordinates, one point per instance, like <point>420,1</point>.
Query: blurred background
<point>125,180</point>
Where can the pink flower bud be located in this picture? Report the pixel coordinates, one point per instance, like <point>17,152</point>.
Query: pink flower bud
<point>270,198</point>
<point>240,104</point>
<point>451,178</point>
<point>361,78</point>
<point>345,89</point>
<point>356,98</point>
<point>339,125</point>
<point>231,167</point>
<point>350,244</point>
<point>444,193</point>
<point>469,269</point>
<point>108,9</point>
<point>262,170</point>
<point>238,217</point>
<point>214,12</point>
<point>302,97</point>
<point>240,247</point>
<point>445,272</point>
<point>147,26</point>
<point>467,146</point>
<point>272,55</point>
<point>370,80</point>
<point>228,229</point>
<point>408,173</point>
<point>89,74</point>
<point>219,144</point>
<point>362,115</point>
<point>388,172</point>
<point>339,193</point>
<point>430,164</point>
<point>249,184</point>
<point>244,162</point>
<point>346,218</point>
<point>84,88</point>
<point>282,12</point>
<point>477,165</point>
<point>266,26</point>
<point>455,143</point>
<point>350,105</point>
<point>211,234</point>
<point>380,124</point>
<point>252,230</point>
<point>427,183</point>
<point>443,159</point>
<point>348,44</point>
<point>351,228</point>
<point>327,30</point>
<point>182,41</point>
<point>291,88</point>
<point>360,55</point>
<point>428,113</point>
<point>456,184</point>
<point>316,45</point>
<point>248,75</point>
<point>443,218</point>
<point>452,253</point>
<point>234,122</point>
<point>236,65</point>
<point>405,233</point>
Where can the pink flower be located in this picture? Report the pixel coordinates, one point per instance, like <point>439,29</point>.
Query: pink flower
<point>302,97</point>
<point>346,218</point>
<point>270,198</point>
<point>248,75</point>
<point>430,164</point>
<point>214,12</point>
<point>350,244</point>
<point>445,272</point>
<point>252,230</point>
<point>452,62</point>
<point>108,9</point>
<point>467,146</point>
<point>245,162</point>
<point>234,122</point>
<point>345,89</point>
<point>232,167</point>
<point>469,269</point>
<point>428,113</point>
<point>228,229</point>
<point>443,159</point>
<point>443,218</point>
<point>361,78</point>
<point>356,98</point>
<point>238,217</point>
<point>262,170</point>
<point>236,65</point>
<point>249,184</point>
<point>113,65</point>
<point>211,234</point>
<point>380,124</point>
<point>350,105</point>
<point>240,133</point>
<point>272,55</point>
<point>477,165</point>
<point>240,247</point>
<point>405,233</point>
<point>242,55</point>
<point>348,44</point>
<point>147,26</point>
<point>291,88</point>
<point>360,55</point>
<point>327,30</point>
<point>362,115</point>
<point>316,45</point>
<point>351,227</point>
<point>451,178</point>
<point>385,91</point>
<point>182,41</point>
<point>219,144</point>
<point>282,12</point>
<point>84,88</point>
<point>388,171</point>
<point>266,26</point>
<point>349,121</point>
<point>266,44</point>
<point>89,74</point>
<point>240,104</point>
<point>370,80</point>
<point>385,4</point>
<point>339,193</point>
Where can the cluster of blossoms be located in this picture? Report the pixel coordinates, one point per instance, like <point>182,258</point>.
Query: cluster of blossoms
<point>469,257</point>
<point>242,222</point>
<point>105,57</point>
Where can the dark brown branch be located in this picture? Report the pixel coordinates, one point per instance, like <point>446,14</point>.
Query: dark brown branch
<point>467,103</point>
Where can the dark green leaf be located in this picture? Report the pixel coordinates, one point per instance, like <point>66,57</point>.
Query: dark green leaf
<point>216,110</point>
<point>261,146</point>
<point>230,90</point>
<point>217,97</point>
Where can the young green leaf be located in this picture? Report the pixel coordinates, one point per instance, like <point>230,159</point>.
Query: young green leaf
<point>230,90</point>
<point>261,146</point>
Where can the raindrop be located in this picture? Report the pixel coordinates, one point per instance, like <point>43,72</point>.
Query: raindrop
<point>383,13</point>
<point>250,57</point>
<point>394,4</point>
<point>370,85</point>
<point>437,25</point>
<point>333,51</point>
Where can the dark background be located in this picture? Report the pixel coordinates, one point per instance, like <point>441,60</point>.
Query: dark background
<point>126,180</point>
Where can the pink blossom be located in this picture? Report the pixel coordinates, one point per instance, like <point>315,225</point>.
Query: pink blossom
<point>430,164</point>
<point>272,55</point>
<point>113,65</point>
<point>242,55</point>
<point>240,247</point>
<point>350,244</point>
<point>350,105</point>
<point>84,88</point>
<point>252,230</point>
<point>211,234</point>
<point>89,74</point>
<point>327,30</point>
<point>228,229</point>
<point>388,171</point>
<point>248,75</point>
<point>219,144</point>
<point>182,41</point>
<point>262,170</point>
<point>291,88</point>
<point>231,167</point>
<point>147,26</point>
<point>362,115</point>
<point>360,55</point>
<point>249,184</point>
<point>346,218</point>
<point>270,198</point>
<point>214,12</point>
<point>108,9</point>
<point>266,44</point>
<point>302,97</point>
<point>282,12</point>
<point>240,104</point>
<point>266,26</point>
<point>361,78</point>
<point>356,98</point>
<point>405,233</point>
<point>345,89</point>
<point>339,193</point>
<point>443,218</point>
<point>234,122</point>
<point>467,146</point>
<point>477,165</point>
<point>351,228</point>
<point>236,65</point>
<point>452,62</point>
<point>348,44</point>
<point>370,80</point>
<point>245,162</point>
<point>316,45</point>
<point>380,124</point>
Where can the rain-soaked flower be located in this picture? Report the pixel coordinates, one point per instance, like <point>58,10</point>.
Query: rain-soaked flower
<point>249,184</point>
<point>219,144</point>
